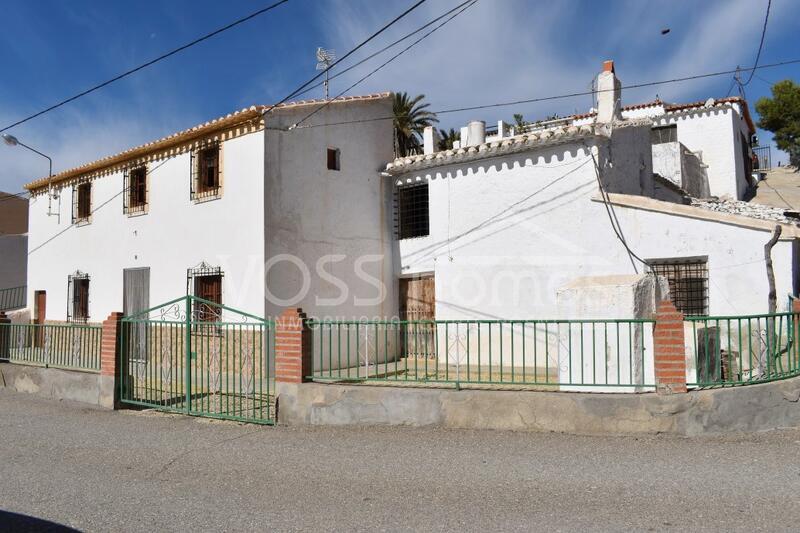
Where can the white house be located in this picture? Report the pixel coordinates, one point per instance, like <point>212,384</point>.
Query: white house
<point>240,210</point>
<point>497,226</point>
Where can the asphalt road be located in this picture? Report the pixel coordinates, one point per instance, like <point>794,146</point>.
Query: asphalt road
<point>141,471</point>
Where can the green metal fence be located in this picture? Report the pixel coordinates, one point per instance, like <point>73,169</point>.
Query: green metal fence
<point>563,354</point>
<point>199,358</point>
<point>13,298</point>
<point>70,346</point>
<point>737,350</point>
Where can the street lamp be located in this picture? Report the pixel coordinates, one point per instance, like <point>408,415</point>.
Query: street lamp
<point>10,140</point>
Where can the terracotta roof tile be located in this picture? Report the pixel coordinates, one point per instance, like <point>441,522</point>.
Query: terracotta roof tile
<point>183,136</point>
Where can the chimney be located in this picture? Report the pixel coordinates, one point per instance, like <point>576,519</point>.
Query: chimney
<point>474,134</point>
<point>609,95</point>
<point>430,140</point>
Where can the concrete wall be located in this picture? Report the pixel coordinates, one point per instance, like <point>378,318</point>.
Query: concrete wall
<point>625,357</point>
<point>58,384</point>
<point>739,409</point>
<point>174,235</point>
<point>329,233</point>
<point>713,132</point>
<point>13,260</point>
<point>507,232</point>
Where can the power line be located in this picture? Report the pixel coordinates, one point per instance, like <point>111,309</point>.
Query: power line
<point>149,63</point>
<point>348,54</point>
<point>568,95</point>
<point>761,43</point>
<point>387,47</point>
<point>466,5</point>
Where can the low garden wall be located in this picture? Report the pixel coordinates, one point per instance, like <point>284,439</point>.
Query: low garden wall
<point>735,409</point>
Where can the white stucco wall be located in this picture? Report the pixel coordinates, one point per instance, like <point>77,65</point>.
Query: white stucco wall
<point>175,234</point>
<point>713,132</point>
<point>506,233</point>
<point>13,260</point>
<point>329,233</point>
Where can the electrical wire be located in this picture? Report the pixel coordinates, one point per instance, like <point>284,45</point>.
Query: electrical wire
<point>147,64</point>
<point>466,5</point>
<point>612,215</point>
<point>348,54</point>
<point>385,48</point>
<point>761,43</point>
<point>562,96</point>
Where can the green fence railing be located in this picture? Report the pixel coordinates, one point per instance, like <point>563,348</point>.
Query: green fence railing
<point>737,350</point>
<point>70,346</point>
<point>564,354</point>
<point>13,298</point>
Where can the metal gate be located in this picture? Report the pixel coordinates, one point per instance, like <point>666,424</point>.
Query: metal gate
<point>200,358</point>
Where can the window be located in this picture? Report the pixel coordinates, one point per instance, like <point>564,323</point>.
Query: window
<point>688,282</point>
<point>664,134</point>
<point>205,282</point>
<point>412,211</point>
<point>207,172</point>
<point>78,297</point>
<point>136,187</point>
<point>333,159</point>
<point>81,203</point>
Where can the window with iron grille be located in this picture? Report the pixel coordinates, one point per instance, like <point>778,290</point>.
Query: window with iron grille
<point>205,281</point>
<point>413,216</point>
<point>664,134</point>
<point>206,172</point>
<point>136,190</point>
<point>81,203</point>
<point>78,297</point>
<point>688,282</point>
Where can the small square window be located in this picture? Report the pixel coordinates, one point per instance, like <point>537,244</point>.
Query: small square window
<point>334,162</point>
<point>688,282</point>
<point>664,134</point>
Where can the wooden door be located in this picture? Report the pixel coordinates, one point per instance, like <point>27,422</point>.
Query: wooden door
<point>39,316</point>
<point>418,309</point>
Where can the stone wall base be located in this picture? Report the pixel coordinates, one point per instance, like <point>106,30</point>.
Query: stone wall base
<point>59,384</point>
<point>738,409</point>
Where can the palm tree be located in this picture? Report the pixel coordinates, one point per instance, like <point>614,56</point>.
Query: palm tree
<point>410,118</point>
<point>446,138</point>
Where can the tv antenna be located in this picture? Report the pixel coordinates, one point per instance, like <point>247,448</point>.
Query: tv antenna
<point>324,60</point>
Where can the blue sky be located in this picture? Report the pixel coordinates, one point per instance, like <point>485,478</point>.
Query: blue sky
<point>498,50</point>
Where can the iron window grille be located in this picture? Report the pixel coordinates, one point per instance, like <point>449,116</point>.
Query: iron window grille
<point>688,282</point>
<point>135,196</point>
<point>82,203</point>
<point>206,170</point>
<point>664,134</point>
<point>78,297</point>
<point>412,208</point>
<point>205,281</point>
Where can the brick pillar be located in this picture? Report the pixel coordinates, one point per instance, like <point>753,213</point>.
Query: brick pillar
<point>5,337</point>
<point>795,305</point>
<point>670,356</point>
<point>109,346</point>
<point>292,347</point>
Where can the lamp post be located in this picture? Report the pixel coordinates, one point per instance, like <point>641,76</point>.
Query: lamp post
<point>10,140</point>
